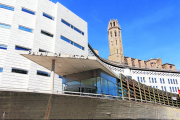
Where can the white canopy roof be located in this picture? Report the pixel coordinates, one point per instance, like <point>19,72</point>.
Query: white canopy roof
<point>67,64</point>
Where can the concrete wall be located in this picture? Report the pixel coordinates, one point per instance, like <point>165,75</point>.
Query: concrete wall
<point>21,105</point>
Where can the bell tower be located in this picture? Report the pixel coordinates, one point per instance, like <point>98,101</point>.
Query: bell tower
<point>115,42</point>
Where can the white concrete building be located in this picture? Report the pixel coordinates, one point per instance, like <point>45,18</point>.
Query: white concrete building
<point>37,25</point>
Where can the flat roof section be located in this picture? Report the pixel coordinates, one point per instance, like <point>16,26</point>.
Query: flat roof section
<point>67,64</point>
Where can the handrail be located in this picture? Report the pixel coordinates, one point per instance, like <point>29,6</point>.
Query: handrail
<point>81,94</point>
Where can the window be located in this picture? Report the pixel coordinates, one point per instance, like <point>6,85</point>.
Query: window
<point>66,23</point>
<point>40,50</point>
<point>171,81</point>
<point>3,47</point>
<point>76,29</point>
<point>168,81</point>
<point>178,88</point>
<point>160,80</point>
<point>75,44</point>
<point>115,33</point>
<point>48,16</point>
<point>156,87</point>
<point>149,80</point>
<point>22,48</point>
<point>153,86</point>
<point>21,71</point>
<point>163,80</point>
<point>141,79</point>
<point>144,79</point>
<point>152,80</point>
<point>6,7</point>
<point>170,89</point>
<point>65,39</point>
<point>114,23</point>
<point>161,87</point>
<point>155,80</point>
<point>138,79</point>
<point>1,69</point>
<point>164,88</point>
<point>2,25</point>
<point>71,42</point>
<point>43,73</point>
<point>28,11</point>
<point>46,33</point>
<point>25,29</point>
<point>173,89</point>
<point>176,81</point>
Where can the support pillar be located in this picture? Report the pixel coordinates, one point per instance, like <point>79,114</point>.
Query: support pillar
<point>52,75</point>
<point>144,92</point>
<point>167,98</point>
<point>163,97</point>
<point>154,96</point>
<point>128,89</point>
<point>158,96</point>
<point>140,91</point>
<point>121,86</point>
<point>149,94</point>
<point>134,91</point>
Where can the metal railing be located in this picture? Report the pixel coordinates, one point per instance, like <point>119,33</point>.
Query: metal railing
<point>80,94</point>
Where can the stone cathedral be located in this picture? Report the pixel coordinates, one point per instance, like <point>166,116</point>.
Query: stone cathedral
<point>116,51</point>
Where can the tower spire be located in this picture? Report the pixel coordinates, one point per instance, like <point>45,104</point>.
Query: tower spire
<point>115,42</point>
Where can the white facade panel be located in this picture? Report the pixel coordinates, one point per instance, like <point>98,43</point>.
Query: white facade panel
<point>35,40</point>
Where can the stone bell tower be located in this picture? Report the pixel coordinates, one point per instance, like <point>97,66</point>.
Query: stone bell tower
<point>115,42</point>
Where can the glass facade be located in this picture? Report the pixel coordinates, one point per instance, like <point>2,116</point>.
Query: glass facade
<point>94,81</point>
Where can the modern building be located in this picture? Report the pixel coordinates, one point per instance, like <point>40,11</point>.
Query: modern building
<point>41,26</point>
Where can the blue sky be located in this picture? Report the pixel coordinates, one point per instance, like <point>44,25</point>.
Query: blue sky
<point>150,28</point>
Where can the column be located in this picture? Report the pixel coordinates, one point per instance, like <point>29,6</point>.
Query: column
<point>52,75</point>
<point>140,91</point>
<point>134,91</point>
<point>121,86</point>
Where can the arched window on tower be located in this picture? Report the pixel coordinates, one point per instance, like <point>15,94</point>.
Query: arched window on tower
<point>115,33</point>
<point>119,33</point>
<point>114,23</point>
<point>117,50</point>
<point>111,24</point>
<point>111,33</point>
<point>116,42</point>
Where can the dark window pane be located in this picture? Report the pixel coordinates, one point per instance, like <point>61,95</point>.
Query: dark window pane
<point>46,33</point>
<point>28,11</point>
<point>77,30</point>
<point>48,16</point>
<point>77,45</point>
<point>19,71</point>
<point>43,73</point>
<point>22,48</point>
<point>65,39</point>
<point>63,21</point>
